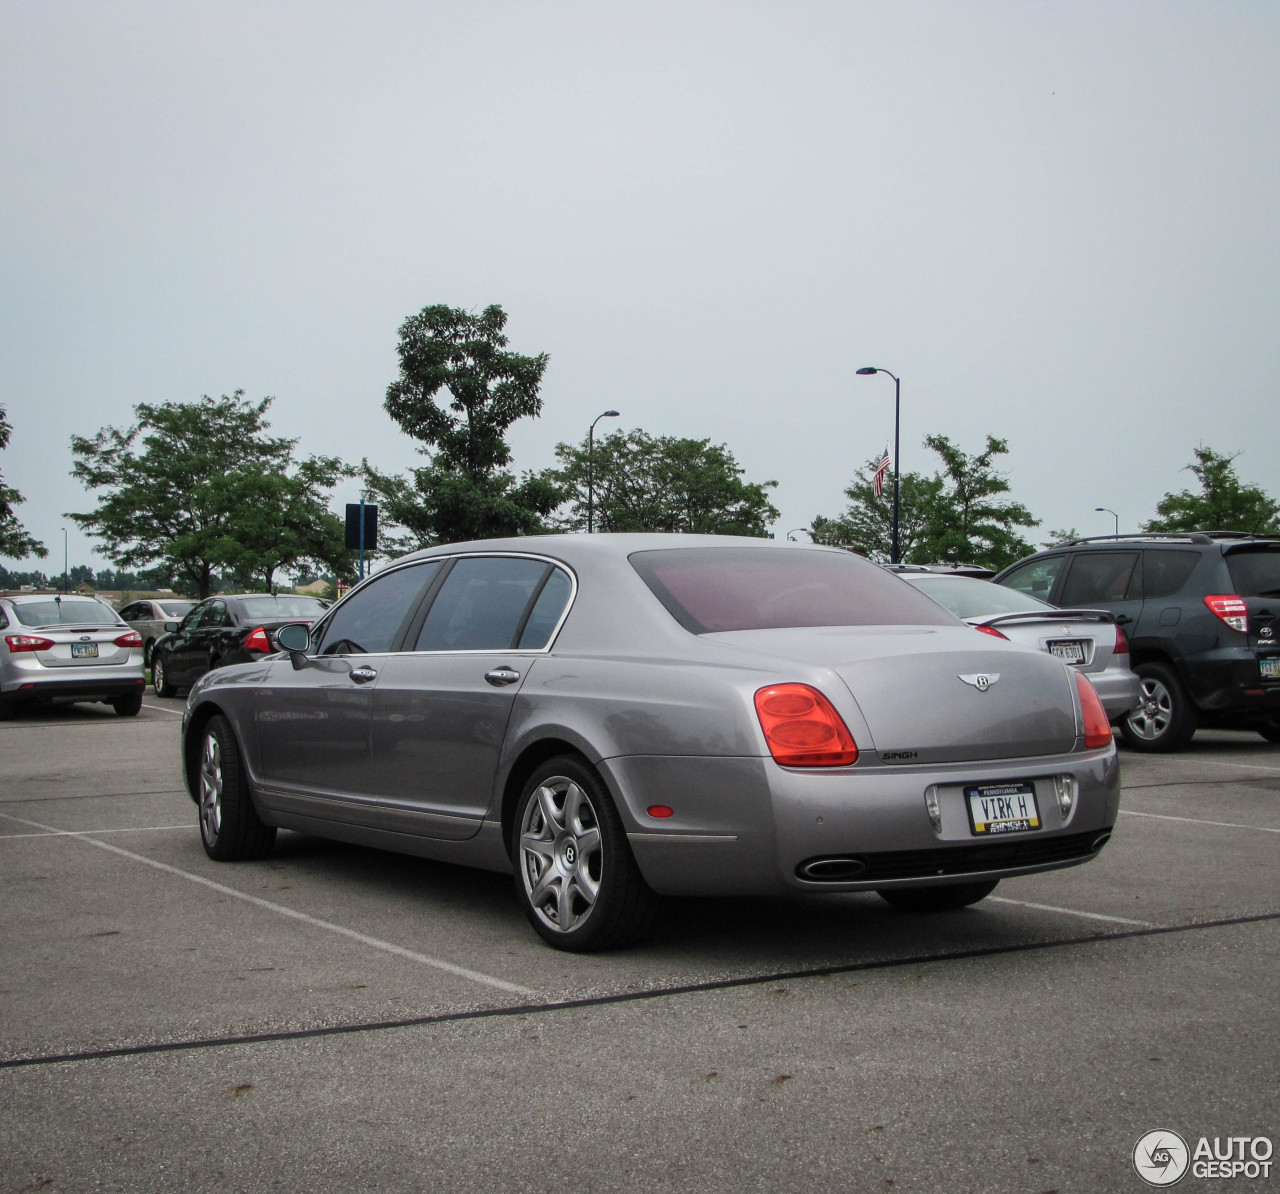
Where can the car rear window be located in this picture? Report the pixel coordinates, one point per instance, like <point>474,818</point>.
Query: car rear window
<point>64,611</point>
<point>282,606</point>
<point>175,609</point>
<point>968,598</point>
<point>1255,573</point>
<point>710,589</point>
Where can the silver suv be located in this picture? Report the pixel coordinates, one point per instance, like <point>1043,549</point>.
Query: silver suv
<point>67,648</point>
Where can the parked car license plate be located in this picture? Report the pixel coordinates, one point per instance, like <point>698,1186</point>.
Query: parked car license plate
<point>84,650</point>
<point>1069,651</point>
<point>1002,808</point>
<point>1270,668</point>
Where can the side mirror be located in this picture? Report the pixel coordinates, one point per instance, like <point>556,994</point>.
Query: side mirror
<point>295,638</point>
<point>170,627</point>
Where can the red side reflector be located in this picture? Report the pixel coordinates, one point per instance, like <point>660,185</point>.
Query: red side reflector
<point>1097,729</point>
<point>131,639</point>
<point>802,728</point>
<point>991,630</point>
<point>27,642</point>
<point>1231,609</point>
<point>257,641</point>
<point>660,810</point>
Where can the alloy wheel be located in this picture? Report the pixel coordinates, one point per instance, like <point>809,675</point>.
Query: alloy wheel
<point>211,788</point>
<point>560,854</point>
<point>1152,717</point>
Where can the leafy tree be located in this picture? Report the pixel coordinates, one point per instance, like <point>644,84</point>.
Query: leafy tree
<point>957,516</point>
<point>1058,538</point>
<point>193,486</point>
<point>647,483</point>
<point>15,542</point>
<point>467,490</point>
<point>1224,503</point>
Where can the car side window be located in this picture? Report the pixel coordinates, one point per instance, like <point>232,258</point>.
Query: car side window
<point>369,621</point>
<point>481,605</point>
<point>132,613</point>
<point>1035,577</point>
<point>4,619</point>
<point>215,614</point>
<point>1165,572</point>
<point>546,611</point>
<point>192,619</point>
<point>1098,576</point>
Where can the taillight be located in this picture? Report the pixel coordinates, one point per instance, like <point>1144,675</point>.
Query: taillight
<point>257,640</point>
<point>27,642</point>
<point>1097,729</point>
<point>802,728</point>
<point>991,630</point>
<point>1231,609</point>
<point>1122,643</point>
<point>131,639</point>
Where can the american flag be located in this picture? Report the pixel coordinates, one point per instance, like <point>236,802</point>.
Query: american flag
<point>877,481</point>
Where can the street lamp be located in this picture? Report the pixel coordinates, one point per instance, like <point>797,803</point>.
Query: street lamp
<point>1105,510</point>
<point>791,533</point>
<point>66,576</point>
<point>897,393</point>
<point>591,451</point>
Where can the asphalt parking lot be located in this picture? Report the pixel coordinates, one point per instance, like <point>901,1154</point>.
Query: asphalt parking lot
<point>336,1018</point>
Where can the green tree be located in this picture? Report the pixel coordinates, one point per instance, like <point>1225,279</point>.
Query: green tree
<point>194,486</point>
<point>15,542</point>
<point>957,516</point>
<point>1058,538</point>
<point>1224,502</point>
<point>646,483</point>
<point>466,491</point>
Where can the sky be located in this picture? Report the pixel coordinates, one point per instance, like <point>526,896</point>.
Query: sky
<point>1058,223</point>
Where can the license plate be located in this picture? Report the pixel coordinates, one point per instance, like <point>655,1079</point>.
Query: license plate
<point>1070,651</point>
<point>84,650</point>
<point>1002,808</point>
<point>1270,668</point>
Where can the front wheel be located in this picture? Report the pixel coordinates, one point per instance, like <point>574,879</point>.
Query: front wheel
<point>160,676</point>
<point>1270,730</point>
<point>229,824</point>
<point>575,876</point>
<point>1166,718</point>
<point>945,898</point>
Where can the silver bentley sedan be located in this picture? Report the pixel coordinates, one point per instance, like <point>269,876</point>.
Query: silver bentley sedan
<point>618,717</point>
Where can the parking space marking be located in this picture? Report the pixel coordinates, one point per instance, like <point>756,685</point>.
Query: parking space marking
<point>1120,920</point>
<point>4,837</point>
<point>1128,812</point>
<point>162,709</point>
<point>1239,766</point>
<point>399,951</point>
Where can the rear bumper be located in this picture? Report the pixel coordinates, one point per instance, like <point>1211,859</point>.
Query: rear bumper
<point>1228,688</point>
<point>83,689</point>
<point>1119,690</point>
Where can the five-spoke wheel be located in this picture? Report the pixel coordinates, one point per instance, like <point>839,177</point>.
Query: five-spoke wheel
<point>1166,718</point>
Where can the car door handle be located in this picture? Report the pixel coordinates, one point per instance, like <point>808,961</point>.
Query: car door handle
<point>363,674</point>
<point>501,676</point>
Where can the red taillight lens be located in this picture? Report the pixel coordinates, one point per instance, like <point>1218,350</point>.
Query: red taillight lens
<point>991,630</point>
<point>1231,609</point>
<point>1122,643</point>
<point>1097,729</point>
<point>257,640</point>
<point>27,642</point>
<point>131,639</point>
<point>802,729</point>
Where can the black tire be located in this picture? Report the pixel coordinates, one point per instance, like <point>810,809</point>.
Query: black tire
<point>148,649</point>
<point>8,709</point>
<point>160,676</point>
<point>1167,717</point>
<point>128,706</point>
<point>230,827</point>
<point>575,865</point>
<point>1270,731</point>
<point>944,898</point>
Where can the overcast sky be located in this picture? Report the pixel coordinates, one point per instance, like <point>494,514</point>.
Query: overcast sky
<point>1057,222</point>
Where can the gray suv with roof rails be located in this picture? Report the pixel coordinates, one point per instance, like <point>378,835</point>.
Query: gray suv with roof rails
<point>1201,611</point>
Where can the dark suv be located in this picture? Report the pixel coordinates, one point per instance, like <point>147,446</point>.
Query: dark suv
<point>1201,613</point>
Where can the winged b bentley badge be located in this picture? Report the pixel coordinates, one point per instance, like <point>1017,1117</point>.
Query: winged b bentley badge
<point>981,680</point>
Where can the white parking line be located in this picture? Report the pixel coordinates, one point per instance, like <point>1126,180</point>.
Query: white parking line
<point>162,709</point>
<point>1239,766</point>
<point>1128,812</point>
<point>4,837</point>
<point>1120,920</point>
<point>399,951</point>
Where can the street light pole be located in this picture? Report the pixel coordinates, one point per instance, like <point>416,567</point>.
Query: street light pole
<point>591,452</point>
<point>66,576</point>
<point>897,394</point>
<point>1105,510</point>
<point>791,533</point>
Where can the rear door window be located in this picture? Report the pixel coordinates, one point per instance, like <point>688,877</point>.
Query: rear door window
<point>370,620</point>
<point>1255,573</point>
<point>1098,576</point>
<point>1036,577</point>
<point>482,604</point>
<point>1165,572</point>
<point>546,612</point>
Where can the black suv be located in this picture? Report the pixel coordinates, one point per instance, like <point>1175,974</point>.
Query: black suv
<point>1201,614</point>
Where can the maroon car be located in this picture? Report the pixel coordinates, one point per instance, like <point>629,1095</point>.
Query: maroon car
<point>228,628</point>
